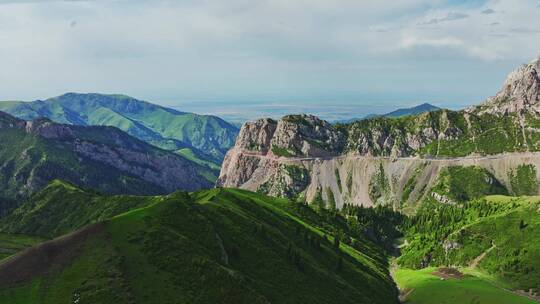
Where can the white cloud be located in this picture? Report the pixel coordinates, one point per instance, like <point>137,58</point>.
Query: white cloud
<point>244,48</point>
<point>411,41</point>
<point>450,16</point>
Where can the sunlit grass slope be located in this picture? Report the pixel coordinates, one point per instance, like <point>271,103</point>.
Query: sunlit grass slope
<point>212,246</point>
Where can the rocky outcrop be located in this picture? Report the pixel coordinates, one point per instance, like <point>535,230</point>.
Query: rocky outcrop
<point>262,141</point>
<point>47,129</point>
<point>404,137</point>
<point>306,135</point>
<point>442,199</point>
<point>293,135</point>
<point>165,170</point>
<point>256,136</point>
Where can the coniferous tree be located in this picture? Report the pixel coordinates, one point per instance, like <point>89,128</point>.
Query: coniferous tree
<point>336,242</point>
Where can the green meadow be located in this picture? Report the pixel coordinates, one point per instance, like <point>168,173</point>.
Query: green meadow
<point>423,287</point>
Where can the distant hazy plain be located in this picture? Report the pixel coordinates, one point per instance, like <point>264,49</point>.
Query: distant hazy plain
<point>239,112</point>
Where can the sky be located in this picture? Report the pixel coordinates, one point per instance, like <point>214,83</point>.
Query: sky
<point>218,55</point>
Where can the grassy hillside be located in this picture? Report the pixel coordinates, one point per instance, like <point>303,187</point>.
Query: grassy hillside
<point>496,234</point>
<point>212,246</point>
<point>206,138</point>
<point>13,243</point>
<point>461,184</point>
<point>61,208</point>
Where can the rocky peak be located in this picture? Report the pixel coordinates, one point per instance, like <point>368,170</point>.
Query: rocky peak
<point>520,92</point>
<point>256,135</point>
<point>292,135</point>
<point>305,135</point>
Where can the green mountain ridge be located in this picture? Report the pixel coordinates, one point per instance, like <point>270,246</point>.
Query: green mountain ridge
<point>210,246</point>
<point>204,138</point>
<point>61,208</point>
<point>35,152</point>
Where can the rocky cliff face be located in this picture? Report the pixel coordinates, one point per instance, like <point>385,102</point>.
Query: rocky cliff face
<point>293,135</point>
<point>267,139</point>
<point>373,160</point>
<point>35,152</point>
<point>365,180</point>
<point>306,135</point>
<point>406,136</point>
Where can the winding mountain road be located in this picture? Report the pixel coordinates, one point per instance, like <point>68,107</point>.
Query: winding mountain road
<point>428,158</point>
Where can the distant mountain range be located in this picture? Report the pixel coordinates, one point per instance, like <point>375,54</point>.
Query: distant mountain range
<point>425,107</point>
<point>202,138</point>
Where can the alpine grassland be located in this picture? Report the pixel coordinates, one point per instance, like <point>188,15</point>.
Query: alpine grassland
<point>218,245</point>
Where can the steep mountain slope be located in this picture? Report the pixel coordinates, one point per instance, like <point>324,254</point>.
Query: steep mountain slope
<point>203,138</point>
<point>35,152</point>
<point>367,160</point>
<point>213,246</point>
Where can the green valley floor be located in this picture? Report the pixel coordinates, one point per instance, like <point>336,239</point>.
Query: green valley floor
<point>429,286</point>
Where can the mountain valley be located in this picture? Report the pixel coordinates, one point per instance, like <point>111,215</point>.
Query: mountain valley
<point>269,152</point>
<point>434,207</point>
